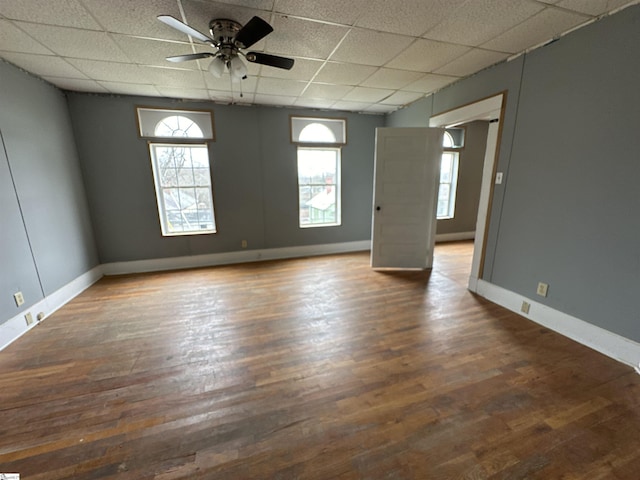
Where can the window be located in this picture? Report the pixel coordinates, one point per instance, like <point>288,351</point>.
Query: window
<point>448,178</point>
<point>318,164</point>
<point>181,172</point>
<point>177,126</point>
<point>318,186</point>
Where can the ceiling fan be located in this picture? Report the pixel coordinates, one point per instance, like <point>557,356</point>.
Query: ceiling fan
<point>229,38</point>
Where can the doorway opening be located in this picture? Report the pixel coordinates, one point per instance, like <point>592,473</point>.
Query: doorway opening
<point>491,109</point>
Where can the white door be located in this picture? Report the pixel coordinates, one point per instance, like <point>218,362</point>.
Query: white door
<point>405,196</point>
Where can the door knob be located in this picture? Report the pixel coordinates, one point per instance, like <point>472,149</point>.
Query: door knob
<point>378,208</point>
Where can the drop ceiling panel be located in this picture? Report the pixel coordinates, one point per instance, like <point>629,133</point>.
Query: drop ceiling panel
<point>592,7</point>
<point>44,65</point>
<point>224,83</point>
<point>276,100</point>
<point>471,62</point>
<point>409,17</point>
<point>344,74</point>
<point>537,29</point>
<point>77,84</point>
<point>389,78</point>
<point>402,98</point>
<point>350,55</point>
<point>330,92</point>
<point>190,93</point>
<point>380,108</point>
<point>261,4</point>
<point>313,103</point>
<point>163,77</point>
<point>131,89</point>
<point>110,71</point>
<point>67,13</point>
<point>477,22</point>
<point>337,11</point>
<point>140,18</point>
<point>427,55</point>
<point>74,43</point>
<point>154,52</point>
<point>303,38</point>
<point>430,83</point>
<point>365,94</point>
<point>12,39</point>
<point>367,47</point>
<point>350,106</point>
<point>279,86</point>
<point>221,96</point>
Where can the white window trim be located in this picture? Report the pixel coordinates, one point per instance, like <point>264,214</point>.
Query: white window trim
<point>337,125</point>
<point>148,118</point>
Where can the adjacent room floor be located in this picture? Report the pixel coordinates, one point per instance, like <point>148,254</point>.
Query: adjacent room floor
<point>315,368</point>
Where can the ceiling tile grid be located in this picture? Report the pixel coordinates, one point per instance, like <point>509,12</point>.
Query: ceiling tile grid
<point>373,56</point>
<point>45,65</point>
<point>12,39</point>
<point>535,30</point>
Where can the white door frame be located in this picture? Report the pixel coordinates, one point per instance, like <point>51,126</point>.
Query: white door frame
<point>485,109</point>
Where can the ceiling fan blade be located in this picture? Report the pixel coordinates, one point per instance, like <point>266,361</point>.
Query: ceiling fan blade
<point>190,56</point>
<point>255,30</point>
<point>270,60</point>
<point>184,28</point>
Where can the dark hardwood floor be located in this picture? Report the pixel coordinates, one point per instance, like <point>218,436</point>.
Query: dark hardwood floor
<point>315,368</point>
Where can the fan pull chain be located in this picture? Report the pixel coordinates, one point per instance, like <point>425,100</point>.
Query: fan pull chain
<point>231,86</point>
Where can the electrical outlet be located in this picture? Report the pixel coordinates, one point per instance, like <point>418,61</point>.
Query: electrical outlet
<point>244,244</point>
<point>525,307</point>
<point>40,316</point>
<point>19,298</point>
<point>28,318</point>
<point>542,289</point>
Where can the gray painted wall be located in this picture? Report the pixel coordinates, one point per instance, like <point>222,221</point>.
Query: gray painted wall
<point>415,115</point>
<point>566,213</point>
<point>571,202</point>
<point>46,234</point>
<point>254,179</point>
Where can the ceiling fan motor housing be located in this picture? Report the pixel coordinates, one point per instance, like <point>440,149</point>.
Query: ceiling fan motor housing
<point>223,31</point>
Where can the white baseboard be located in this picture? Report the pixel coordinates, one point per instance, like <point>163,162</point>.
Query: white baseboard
<point>17,326</point>
<point>455,237</point>
<point>610,344</point>
<point>243,256</point>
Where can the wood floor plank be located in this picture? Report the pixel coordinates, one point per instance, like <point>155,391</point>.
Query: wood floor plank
<point>315,368</point>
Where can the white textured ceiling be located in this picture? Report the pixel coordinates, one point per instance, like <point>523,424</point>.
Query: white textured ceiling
<point>358,55</point>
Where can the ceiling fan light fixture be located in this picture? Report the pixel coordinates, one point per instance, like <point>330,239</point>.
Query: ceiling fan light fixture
<point>216,67</point>
<point>237,67</point>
